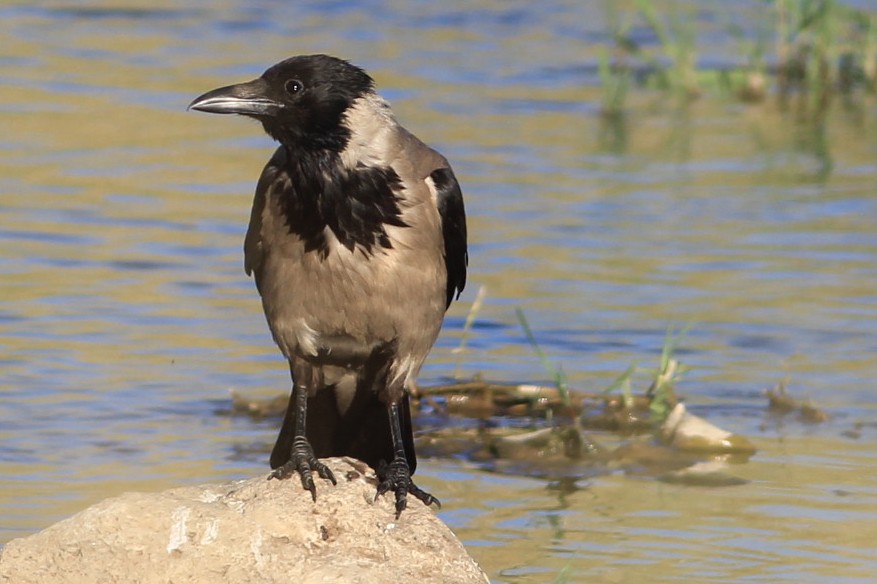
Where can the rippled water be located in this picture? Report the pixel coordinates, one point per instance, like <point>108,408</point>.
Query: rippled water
<point>126,317</point>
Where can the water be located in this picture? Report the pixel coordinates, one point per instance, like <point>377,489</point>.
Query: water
<point>126,317</point>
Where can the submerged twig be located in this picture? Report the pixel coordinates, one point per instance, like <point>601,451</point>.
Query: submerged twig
<point>781,403</point>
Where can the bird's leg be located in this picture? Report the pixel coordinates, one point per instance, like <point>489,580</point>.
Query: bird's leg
<point>302,459</point>
<point>396,476</point>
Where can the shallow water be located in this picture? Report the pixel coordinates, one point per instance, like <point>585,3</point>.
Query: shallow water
<point>126,317</point>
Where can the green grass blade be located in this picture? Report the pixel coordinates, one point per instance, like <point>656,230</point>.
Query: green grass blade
<point>556,373</point>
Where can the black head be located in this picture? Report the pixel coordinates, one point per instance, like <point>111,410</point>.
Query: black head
<point>300,101</point>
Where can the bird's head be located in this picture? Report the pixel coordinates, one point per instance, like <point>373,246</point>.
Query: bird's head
<point>300,101</point>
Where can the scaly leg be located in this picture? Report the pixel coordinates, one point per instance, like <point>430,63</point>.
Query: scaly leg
<point>302,459</point>
<point>396,476</point>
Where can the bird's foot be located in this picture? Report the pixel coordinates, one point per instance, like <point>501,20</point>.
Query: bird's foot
<point>396,477</point>
<point>303,461</point>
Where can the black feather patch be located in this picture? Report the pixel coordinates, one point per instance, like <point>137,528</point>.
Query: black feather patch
<point>355,204</point>
<point>453,214</point>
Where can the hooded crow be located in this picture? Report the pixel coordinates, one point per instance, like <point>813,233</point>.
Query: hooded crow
<point>357,242</point>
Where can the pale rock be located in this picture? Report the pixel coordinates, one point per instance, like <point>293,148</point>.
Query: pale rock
<point>253,531</point>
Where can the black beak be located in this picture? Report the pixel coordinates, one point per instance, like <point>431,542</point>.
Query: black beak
<point>248,99</point>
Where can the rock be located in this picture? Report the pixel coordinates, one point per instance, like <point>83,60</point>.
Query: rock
<point>253,531</point>
<point>686,431</point>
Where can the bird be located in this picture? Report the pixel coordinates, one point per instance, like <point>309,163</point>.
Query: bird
<point>357,243</point>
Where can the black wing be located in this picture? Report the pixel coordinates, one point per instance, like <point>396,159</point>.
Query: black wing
<point>253,251</point>
<point>449,198</point>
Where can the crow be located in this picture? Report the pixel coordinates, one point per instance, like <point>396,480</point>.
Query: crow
<point>357,243</point>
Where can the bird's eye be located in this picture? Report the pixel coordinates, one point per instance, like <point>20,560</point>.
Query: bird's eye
<point>293,86</point>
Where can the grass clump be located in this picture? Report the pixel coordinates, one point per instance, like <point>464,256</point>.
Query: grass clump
<point>805,51</point>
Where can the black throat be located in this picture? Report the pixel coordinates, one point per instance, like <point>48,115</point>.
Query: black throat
<point>355,204</point>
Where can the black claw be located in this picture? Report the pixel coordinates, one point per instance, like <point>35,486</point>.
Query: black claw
<point>396,477</point>
<point>401,503</point>
<point>280,473</point>
<point>325,472</point>
<point>424,496</point>
<point>303,461</point>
